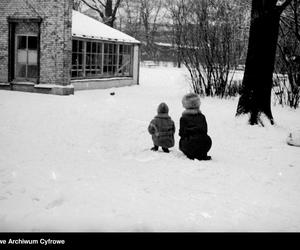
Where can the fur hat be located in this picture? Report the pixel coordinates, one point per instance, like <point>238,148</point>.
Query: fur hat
<point>191,101</point>
<point>163,108</point>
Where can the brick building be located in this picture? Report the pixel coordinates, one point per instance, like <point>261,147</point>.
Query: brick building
<point>46,47</point>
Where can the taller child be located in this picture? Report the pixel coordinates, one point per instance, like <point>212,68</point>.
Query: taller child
<point>194,140</point>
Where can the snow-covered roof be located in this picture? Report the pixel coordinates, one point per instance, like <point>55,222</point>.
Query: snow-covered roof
<point>85,26</point>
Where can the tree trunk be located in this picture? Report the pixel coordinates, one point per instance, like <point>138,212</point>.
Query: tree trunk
<point>109,18</point>
<point>258,77</point>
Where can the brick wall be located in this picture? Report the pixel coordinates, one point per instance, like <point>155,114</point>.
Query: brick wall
<point>55,36</point>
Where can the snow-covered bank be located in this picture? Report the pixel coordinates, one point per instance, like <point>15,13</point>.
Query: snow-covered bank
<point>82,163</point>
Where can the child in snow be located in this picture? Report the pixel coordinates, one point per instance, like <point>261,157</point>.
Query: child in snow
<point>194,141</point>
<point>162,129</point>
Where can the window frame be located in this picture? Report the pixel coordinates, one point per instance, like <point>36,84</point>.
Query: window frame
<point>78,52</point>
<point>26,78</point>
<point>109,61</point>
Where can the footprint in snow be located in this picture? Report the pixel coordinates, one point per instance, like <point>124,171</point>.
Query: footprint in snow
<point>55,203</point>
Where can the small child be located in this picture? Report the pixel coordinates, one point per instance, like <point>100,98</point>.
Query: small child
<point>194,140</point>
<point>162,129</point>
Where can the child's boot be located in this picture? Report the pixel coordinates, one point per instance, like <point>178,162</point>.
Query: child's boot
<point>204,158</point>
<point>166,150</point>
<point>155,148</point>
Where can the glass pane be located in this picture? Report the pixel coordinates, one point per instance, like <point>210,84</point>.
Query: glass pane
<point>88,47</point>
<point>22,42</point>
<point>21,70</point>
<point>110,48</point>
<point>93,59</point>
<point>105,60</point>
<point>80,58</point>
<point>121,49</point>
<point>74,46</point>
<point>32,71</point>
<point>105,69</point>
<point>22,56</point>
<point>80,46</point>
<point>32,57</point>
<point>120,60</point>
<point>99,47</point>
<point>99,60</point>
<point>126,71</point>
<point>126,49</point>
<point>94,47</point>
<point>88,61</point>
<point>74,74</point>
<point>110,59</point>
<point>74,59</point>
<point>106,48</point>
<point>126,58</point>
<point>32,43</point>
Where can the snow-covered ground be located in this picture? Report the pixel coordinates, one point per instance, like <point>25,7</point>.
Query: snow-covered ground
<point>82,163</point>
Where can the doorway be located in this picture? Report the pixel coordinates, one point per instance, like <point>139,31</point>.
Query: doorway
<point>26,58</point>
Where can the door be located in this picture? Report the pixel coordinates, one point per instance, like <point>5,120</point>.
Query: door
<point>26,58</point>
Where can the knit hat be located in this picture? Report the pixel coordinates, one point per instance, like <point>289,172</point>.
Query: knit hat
<point>163,108</point>
<point>191,101</point>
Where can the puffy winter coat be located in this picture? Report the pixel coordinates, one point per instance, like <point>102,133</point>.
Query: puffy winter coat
<point>162,129</point>
<point>194,140</point>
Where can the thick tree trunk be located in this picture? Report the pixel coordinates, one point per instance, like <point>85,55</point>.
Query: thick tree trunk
<point>109,18</point>
<point>258,77</point>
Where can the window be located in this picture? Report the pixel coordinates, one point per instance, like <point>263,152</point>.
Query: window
<point>100,59</point>
<point>77,58</point>
<point>125,60</point>
<point>26,57</point>
<point>110,59</point>
<point>93,64</point>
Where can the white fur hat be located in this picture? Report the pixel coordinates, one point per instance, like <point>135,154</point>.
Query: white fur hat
<point>191,101</point>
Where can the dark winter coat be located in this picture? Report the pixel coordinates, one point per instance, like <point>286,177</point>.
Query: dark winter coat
<point>162,129</point>
<point>194,141</point>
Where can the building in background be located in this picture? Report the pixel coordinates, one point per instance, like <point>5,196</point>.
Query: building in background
<point>46,47</point>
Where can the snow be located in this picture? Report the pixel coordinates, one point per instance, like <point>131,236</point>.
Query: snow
<point>85,26</point>
<point>83,163</point>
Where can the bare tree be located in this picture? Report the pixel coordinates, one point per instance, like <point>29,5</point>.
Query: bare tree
<point>150,13</point>
<point>143,18</point>
<point>288,58</point>
<point>258,77</point>
<point>107,9</point>
<point>207,40</point>
<point>132,17</point>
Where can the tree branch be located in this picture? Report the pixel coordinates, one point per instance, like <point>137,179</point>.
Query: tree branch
<point>100,2</point>
<point>295,9</point>
<point>283,5</point>
<point>94,8</point>
<point>117,5</point>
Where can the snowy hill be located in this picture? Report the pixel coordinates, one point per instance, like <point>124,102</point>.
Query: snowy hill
<point>82,163</point>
